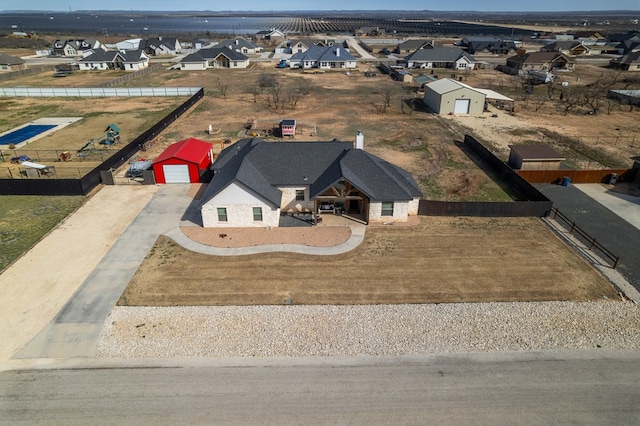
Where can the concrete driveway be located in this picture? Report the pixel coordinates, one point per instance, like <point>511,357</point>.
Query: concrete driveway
<point>611,218</point>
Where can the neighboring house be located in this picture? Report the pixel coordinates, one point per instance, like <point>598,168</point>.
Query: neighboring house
<point>571,48</point>
<point>158,46</point>
<point>11,63</point>
<point>441,57</point>
<point>630,45</point>
<point>272,34</point>
<point>540,61</point>
<point>412,45</point>
<point>628,62</point>
<point>302,45</point>
<point>534,157</point>
<point>448,96</point>
<point>255,181</point>
<point>132,60</point>
<point>491,45</point>
<point>240,45</point>
<point>74,47</point>
<point>588,36</point>
<point>215,57</point>
<point>187,161</point>
<point>370,32</point>
<point>328,57</point>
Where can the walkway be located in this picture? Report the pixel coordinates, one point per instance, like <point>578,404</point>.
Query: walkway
<point>75,330</point>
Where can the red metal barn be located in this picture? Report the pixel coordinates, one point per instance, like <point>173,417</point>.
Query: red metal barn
<point>187,161</point>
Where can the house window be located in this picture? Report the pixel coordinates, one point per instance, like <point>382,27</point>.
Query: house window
<point>235,64</point>
<point>257,214</point>
<point>222,214</point>
<point>387,208</point>
<point>299,194</point>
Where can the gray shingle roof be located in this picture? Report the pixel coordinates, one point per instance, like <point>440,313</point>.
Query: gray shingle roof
<point>263,166</point>
<point>324,54</point>
<point>439,54</point>
<point>212,53</point>
<point>99,55</point>
<point>10,60</point>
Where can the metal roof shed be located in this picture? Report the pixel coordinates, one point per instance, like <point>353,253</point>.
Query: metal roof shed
<point>187,161</point>
<point>534,157</point>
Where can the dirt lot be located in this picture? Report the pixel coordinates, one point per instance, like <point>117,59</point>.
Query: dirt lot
<point>439,260</point>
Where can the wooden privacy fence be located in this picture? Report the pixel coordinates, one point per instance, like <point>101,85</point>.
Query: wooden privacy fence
<point>578,176</point>
<point>586,238</point>
<point>533,204</point>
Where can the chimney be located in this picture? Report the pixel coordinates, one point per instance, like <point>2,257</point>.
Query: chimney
<point>359,140</point>
<point>338,52</point>
<point>159,38</point>
<point>237,42</point>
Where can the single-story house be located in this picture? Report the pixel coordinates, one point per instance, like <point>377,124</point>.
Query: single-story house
<point>540,61</point>
<point>214,57</point>
<point>441,57</point>
<point>534,157</point>
<point>571,48</point>
<point>255,181</point>
<point>295,46</point>
<point>487,45</point>
<point>240,45</point>
<point>628,62</point>
<point>161,46</point>
<point>74,47</point>
<point>326,57</point>
<point>412,45</point>
<point>369,32</point>
<point>273,34</point>
<point>11,63</point>
<point>130,60</point>
<point>187,161</point>
<point>449,96</point>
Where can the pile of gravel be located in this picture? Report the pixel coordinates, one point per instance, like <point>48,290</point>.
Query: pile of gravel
<point>389,330</point>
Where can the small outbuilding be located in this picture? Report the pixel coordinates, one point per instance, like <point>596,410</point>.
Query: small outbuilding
<point>534,157</point>
<point>288,128</point>
<point>448,96</point>
<point>187,161</point>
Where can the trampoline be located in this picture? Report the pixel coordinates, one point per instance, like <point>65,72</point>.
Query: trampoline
<point>25,133</point>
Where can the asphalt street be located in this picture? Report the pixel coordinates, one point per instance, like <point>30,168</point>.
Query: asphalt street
<point>615,233</point>
<point>523,388</point>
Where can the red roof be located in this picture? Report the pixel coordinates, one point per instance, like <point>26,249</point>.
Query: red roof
<point>191,150</point>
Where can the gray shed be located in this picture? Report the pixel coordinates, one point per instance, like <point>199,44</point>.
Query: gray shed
<point>534,157</point>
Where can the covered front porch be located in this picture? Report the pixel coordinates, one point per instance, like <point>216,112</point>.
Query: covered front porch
<point>343,199</point>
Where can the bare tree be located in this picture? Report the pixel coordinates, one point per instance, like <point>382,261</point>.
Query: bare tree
<point>388,92</point>
<point>570,99</point>
<point>223,88</point>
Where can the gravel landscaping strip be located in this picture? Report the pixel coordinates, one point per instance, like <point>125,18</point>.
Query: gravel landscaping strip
<point>388,330</point>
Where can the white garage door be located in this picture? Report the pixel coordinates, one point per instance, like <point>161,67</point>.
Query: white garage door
<point>462,106</point>
<point>176,173</point>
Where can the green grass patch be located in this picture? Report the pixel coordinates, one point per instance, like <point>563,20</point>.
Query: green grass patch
<point>25,219</point>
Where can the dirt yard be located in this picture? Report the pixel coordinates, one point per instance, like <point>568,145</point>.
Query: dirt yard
<point>438,260</point>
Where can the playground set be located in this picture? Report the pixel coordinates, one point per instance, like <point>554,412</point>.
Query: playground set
<point>110,137</point>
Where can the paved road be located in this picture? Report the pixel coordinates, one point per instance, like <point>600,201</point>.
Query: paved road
<point>615,233</point>
<point>529,388</point>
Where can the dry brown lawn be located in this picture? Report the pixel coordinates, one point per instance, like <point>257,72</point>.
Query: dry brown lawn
<point>440,260</point>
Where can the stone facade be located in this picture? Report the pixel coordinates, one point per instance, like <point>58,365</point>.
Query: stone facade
<point>289,202</point>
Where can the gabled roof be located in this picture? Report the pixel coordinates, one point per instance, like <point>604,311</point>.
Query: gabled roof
<point>439,54</point>
<point>413,44</point>
<point>538,57</point>
<point>213,53</point>
<point>564,45</point>
<point>628,59</point>
<point>262,167</point>
<point>10,60</point>
<point>323,54</point>
<point>192,150</point>
<point>154,42</point>
<point>128,56</point>
<point>237,43</point>
<point>446,85</point>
